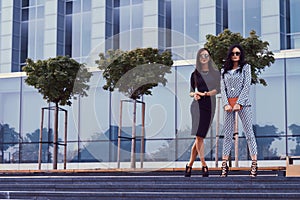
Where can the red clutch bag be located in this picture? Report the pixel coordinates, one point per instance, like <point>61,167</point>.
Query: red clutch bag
<point>232,101</point>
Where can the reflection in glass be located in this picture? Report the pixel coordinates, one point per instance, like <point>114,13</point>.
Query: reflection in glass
<point>293,107</point>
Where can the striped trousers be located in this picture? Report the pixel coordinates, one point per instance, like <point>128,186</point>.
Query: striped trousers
<point>245,115</point>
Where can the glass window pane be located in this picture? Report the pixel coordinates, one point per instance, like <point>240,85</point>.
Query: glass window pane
<point>235,16</point>
<point>124,2</point>
<point>76,36</point>
<point>76,6</point>
<point>69,7</point>
<point>94,109</point>
<point>137,17</point>
<point>136,38</point>
<point>293,107</point>
<point>252,16</point>
<point>273,92</point>
<point>177,16</point>
<point>25,3</point>
<point>31,39</point>
<point>32,13</point>
<point>32,2</point>
<point>160,123</point>
<point>124,19</point>
<point>10,103</point>
<point>40,2</point>
<point>40,39</point>
<point>295,15</point>
<point>87,5</point>
<point>192,20</point>
<point>183,98</point>
<point>86,34</point>
<point>137,1</point>
<point>40,12</point>
<point>25,14</point>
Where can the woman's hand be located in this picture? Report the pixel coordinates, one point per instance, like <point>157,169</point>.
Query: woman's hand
<point>197,95</point>
<point>237,107</point>
<point>228,108</point>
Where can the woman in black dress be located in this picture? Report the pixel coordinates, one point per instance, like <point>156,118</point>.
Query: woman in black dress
<point>205,84</point>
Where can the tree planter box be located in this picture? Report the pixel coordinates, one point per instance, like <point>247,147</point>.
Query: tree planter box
<point>292,170</point>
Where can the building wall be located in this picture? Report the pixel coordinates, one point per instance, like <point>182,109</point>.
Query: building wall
<point>93,120</point>
<point>6,28</point>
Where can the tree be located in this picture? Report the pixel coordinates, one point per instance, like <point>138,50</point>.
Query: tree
<point>135,73</point>
<point>58,80</point>
<point>256,50</point>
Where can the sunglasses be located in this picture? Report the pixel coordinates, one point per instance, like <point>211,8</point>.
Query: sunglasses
<point>204,55</point>
<point>235,53</point>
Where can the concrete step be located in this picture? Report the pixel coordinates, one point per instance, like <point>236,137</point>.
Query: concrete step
<point>110,195</point>
<point>151,186</point>
<point>218,187</point>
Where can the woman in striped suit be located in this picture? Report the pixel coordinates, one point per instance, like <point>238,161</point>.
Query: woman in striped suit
<point>235,83</point>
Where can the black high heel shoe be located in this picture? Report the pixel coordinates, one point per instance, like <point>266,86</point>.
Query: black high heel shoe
<point>224,168</point>
<point>188,171</point>
<point>205,172</point>
<point>253,171</point>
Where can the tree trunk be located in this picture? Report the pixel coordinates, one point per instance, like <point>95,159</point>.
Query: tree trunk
<point>55,138</point>
<point>133,140</point>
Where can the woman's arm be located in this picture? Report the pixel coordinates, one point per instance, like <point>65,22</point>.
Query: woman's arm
<point>244,95</point>
<point>211,93</point>
<point>223,91</point>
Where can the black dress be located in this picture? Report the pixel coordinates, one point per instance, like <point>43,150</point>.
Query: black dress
<point>203,110</point>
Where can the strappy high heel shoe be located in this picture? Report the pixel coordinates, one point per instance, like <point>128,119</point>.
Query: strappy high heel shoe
<point>224,168</point>
<point>188,171</point>
<point>205,172</point>
<point>253,171</point>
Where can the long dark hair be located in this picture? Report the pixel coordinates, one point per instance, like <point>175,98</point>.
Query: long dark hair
<point>228,65</point>
<point>198,64</point>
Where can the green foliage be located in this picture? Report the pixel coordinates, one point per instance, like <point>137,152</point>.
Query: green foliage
<point>57,79</point>
<point>135,72</point>
<point>256,51</point>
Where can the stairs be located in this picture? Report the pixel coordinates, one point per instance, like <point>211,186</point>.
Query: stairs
<point>150,185</point>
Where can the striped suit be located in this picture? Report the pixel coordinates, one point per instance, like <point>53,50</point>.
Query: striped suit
<point>236,84</point>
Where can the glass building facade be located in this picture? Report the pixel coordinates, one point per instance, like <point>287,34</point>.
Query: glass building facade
<point>39,29</point>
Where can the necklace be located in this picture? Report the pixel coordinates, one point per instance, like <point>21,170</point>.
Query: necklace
<point>204,72</point>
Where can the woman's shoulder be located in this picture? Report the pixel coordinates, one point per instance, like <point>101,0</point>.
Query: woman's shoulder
<point>193,74</point>
<point>246,66</point>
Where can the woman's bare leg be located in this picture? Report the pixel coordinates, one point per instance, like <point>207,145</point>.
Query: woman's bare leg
<point>193,156</point>
<point>200,150</point>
